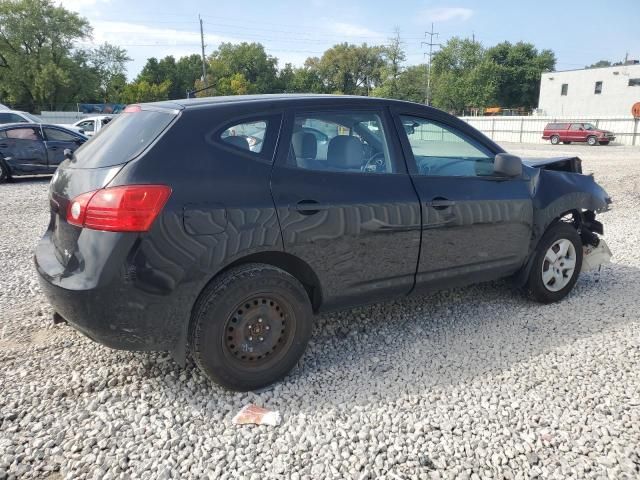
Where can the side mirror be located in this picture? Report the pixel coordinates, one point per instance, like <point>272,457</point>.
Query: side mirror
<point>68,153</point>
<point>507,165</point>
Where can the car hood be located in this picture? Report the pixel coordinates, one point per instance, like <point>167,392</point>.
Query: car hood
<point>562,164</point>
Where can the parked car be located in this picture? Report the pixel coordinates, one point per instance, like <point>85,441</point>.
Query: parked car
<point>32,149</point>
<point>171,233</point>
<point>92,125</point>
<point>577,132</point>
<point>16,116</point>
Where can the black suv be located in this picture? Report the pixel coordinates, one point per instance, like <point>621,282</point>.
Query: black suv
<point>217,227</point>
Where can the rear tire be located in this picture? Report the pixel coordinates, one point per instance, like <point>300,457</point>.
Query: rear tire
<point>555,139</point>
<point>251,326</point>
<point>4,171</point>
<point>592,141</point>
<point>556,265</point>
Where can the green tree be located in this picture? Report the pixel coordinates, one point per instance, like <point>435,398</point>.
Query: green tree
<point>36,42</point>
<point>394,56</point>
<point>182,73</point>
<point>109,63</point>
<point>463,76</point>
<point>412,84</point>
<point>518,71</point>
<point>143,91</point>
<point>243,67</point>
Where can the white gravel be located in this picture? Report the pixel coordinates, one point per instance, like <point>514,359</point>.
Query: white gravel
<point>469,383</point>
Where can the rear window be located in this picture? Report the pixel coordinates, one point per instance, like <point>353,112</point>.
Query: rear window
<point>124,139</point>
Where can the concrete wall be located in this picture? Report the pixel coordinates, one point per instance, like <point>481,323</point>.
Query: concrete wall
<point>529,129</point>
<point>616,98</point>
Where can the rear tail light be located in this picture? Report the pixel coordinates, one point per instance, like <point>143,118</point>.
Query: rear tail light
<point>131,208</point>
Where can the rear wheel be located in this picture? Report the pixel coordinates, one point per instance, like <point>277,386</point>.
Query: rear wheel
<point>4,172</point>
<point>556,265</point>
<point>555,139</point>
<point>592,141</point>
<point>251,326</point>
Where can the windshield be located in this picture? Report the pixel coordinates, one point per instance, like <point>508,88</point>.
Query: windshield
<point>31,118</point>
<point>123,139</point>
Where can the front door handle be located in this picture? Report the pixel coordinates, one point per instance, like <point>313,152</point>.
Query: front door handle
<point>310,207</point>
<point>441,203</point>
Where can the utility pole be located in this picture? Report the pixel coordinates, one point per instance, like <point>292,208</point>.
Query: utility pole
<point>204,60</point>
<point>430,53</point>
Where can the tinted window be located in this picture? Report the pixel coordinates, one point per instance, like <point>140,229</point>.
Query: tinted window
<point>440,150</point>
<point>345,142</point>
<point>127,136</point>
<point>598,89</point>
<point>11,118</point>
<point>23,134</point>
<point>246,136</point>
<point>87,126</point>
<point>59,135</point>
<point>564,89</point>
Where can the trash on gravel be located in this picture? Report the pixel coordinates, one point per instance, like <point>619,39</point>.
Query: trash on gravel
<point>594,257</point>
<point>252,414</point>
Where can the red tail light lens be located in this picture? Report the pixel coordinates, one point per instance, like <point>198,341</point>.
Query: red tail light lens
<point>131,208</point>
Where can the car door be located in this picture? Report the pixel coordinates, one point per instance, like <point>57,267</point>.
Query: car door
<point>348,208</point>
<point>576,133</point>
<point>56,142</point>
<point>23,149</point>
<point>475,225</point>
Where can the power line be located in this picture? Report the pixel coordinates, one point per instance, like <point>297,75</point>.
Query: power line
<point>431,44</point>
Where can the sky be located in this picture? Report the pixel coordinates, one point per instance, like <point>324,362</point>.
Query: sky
<point>579,33</point>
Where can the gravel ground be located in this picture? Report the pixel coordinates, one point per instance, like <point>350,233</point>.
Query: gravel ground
<point>468,383</point>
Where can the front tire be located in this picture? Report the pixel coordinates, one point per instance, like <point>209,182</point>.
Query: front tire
<point>556,265</point>
<point>555,139</point>
<point>250,327</point>
<point>592,141</point>
<point>4,172</point>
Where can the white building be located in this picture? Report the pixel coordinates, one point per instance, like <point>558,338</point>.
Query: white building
<point>590,93</point>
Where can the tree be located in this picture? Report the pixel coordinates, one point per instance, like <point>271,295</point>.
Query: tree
<point>604,63</point>
<point>518,71</point>
<point>143,91</point>
<point>243,67</point>
<point>182,74</point>
<point>36,41</point>
<point>412,84</point>
<point>463,76</point>
<point>394,57</point>
<point>109,63</point>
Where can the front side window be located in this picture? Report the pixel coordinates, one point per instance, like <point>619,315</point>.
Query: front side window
<point>598,89</point>
<point>564,89</point>
<point>576,127</point>
<point>59,136</point>
<point>23,134</point>
<point>340,142</point>
<point>246,136</point>
<point>440,150</point>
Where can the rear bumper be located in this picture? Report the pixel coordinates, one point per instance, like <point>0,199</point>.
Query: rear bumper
<point>109,309</point>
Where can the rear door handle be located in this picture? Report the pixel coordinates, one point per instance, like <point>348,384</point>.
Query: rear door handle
<point>310,207</point>
<point>441,203</point>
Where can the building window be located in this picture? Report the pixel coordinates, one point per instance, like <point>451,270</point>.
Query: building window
<point>565,89</point>
<point>598,89</point>
<point>634,82</point>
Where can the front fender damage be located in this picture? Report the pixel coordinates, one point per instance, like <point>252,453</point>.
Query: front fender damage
<point>564,196</point>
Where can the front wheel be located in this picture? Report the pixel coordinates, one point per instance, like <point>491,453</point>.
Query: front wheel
<point>251,326</point>
<point>555,139</point>
<point>592,141</point>
<point>556,265</point>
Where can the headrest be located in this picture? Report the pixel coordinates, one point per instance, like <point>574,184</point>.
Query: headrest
<point>236,141</point>
<point>305,145</point>
<point>345,153</point>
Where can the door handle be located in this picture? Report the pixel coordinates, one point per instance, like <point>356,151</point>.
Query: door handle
<point>441,203</point>
<point>310,207</point>
<point>53,148</point>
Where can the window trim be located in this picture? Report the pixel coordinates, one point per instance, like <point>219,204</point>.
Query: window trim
<point>393,144</point>
<point>271,135</point>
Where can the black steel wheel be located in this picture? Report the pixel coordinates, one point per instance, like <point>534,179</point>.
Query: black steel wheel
<point>250,326</point>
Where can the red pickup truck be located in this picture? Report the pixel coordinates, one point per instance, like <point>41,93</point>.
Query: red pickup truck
<point>577,132</point>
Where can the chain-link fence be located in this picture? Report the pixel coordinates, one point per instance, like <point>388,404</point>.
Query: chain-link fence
<point>529,129</point>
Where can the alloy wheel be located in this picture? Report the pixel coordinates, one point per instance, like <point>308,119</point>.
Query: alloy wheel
<point>559,265</point>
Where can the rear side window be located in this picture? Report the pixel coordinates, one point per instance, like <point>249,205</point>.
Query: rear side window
<point>246,136</point>
<point>59,136</point>
<point>23,134</point>
<point>126,138</point>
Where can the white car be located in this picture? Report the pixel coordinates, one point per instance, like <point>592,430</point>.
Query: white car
<point>16,116</point>
<point>92,125</point>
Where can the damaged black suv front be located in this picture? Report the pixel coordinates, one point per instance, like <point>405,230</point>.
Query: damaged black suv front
<point>562,193</point>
